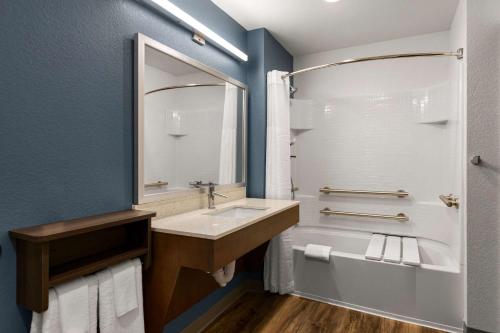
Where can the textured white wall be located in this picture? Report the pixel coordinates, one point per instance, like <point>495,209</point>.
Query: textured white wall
<point>458,80</point>
<point>367,135</point>
<point>483,138</point>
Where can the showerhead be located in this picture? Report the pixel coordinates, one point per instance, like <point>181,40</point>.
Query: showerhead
<point>293,90</point>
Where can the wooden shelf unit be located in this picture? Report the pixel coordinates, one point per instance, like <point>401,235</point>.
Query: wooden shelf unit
<point>54,253</point>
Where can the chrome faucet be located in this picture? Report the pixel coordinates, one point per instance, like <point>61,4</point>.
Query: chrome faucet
<point>211,192</point>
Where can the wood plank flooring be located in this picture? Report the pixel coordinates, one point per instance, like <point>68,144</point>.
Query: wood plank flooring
<point>269,313</point>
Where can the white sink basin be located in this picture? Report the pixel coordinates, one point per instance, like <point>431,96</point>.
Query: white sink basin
<point>238,212</point>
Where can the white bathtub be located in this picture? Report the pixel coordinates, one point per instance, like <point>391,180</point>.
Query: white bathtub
<point>429,295</point>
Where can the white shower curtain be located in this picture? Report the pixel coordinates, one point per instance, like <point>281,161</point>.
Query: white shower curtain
<point>278,263</point>
<point>227,160</point>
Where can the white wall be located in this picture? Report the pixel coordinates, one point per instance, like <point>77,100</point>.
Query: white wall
<point>367,135</point>
<point>458,80</point>
<point>483,184</point>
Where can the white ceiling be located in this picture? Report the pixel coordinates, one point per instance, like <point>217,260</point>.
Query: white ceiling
<point>310,26</point>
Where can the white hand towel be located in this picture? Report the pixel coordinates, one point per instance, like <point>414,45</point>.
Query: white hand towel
<point>92,281</point>
<point>47,321</point>
<point>109,322</point>
<point>319,252</point>
<point>125,290</point>
<point>73,299</point>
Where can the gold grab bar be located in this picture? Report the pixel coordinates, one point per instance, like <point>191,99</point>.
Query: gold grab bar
<point>449,200</point>
<point>399,193</point>
<point>156,184</point>
<point>399,217</point>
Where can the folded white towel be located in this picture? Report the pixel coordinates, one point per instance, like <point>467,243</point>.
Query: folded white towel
<point>319,252</point>
<point>125,290</point>
<point>393,249</point>
<point>73,299</point>
<point>376,247</point>
<point>47,321</point>
<point>92,281</point>
<point>411,255</point>
<point>109,322</point>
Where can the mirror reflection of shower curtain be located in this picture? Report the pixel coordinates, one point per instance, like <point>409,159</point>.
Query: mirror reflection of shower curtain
<point>227,160</point>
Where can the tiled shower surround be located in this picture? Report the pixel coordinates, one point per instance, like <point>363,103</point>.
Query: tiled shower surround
<point>379,126</point>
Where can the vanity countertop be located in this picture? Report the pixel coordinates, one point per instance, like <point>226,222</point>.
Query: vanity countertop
<point>203,224</point>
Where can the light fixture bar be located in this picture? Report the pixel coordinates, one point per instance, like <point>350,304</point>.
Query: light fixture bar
<point>200,28</point>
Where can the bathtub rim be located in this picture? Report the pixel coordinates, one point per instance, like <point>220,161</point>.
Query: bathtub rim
<point>454,267</point>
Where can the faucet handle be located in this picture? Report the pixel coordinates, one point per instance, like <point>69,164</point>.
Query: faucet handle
<point>196,183</point>
<point>221,195</point>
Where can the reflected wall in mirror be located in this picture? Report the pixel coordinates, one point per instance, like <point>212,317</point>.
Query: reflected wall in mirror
<point>190,123</point>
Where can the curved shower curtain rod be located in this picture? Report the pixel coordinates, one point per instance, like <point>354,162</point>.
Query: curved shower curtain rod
<point>190,85</point>
<point>459,54</point>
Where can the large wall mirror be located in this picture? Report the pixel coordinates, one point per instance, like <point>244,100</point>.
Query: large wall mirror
<point>190,124</point>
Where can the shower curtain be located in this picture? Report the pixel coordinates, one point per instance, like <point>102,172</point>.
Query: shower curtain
<point>278,263</point>
<point>227,159</point>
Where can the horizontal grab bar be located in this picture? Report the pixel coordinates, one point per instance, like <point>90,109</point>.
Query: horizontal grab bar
<point>156,184</point>
<point>399,217</point>
<point>399,193</point>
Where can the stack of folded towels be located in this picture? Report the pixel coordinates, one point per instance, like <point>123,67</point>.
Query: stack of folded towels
<point>73,305</point>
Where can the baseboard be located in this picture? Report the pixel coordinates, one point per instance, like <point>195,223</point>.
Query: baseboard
<point>218,308</point>
<point>472,330</point>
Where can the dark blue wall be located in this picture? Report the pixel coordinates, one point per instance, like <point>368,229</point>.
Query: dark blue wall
<point>265,54</point>
<point>275,55</point>
<point>66,101</point>
<point>256,163</point>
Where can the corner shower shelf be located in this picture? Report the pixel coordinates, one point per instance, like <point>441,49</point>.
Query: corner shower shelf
<point>438,121</point>
<point>177,134</point>
<point>50,254</point>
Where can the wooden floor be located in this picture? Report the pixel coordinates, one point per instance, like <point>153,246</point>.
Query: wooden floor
<point>268,313</point>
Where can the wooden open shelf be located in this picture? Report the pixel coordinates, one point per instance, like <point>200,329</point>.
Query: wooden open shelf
<point>54,253</point>
<point>89,265</point>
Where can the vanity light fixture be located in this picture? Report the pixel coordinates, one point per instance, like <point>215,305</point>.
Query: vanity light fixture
<point>199,28</point>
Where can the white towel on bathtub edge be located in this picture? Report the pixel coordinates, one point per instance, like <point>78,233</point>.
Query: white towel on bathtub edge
<point>320,252</point>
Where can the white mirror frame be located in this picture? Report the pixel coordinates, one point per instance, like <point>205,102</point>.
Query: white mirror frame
<point>141,42</point>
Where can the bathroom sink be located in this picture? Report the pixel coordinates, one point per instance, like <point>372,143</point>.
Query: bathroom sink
<point>238,212</point>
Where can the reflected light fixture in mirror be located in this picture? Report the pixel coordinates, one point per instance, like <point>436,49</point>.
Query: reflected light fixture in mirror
<point>199,28</point>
